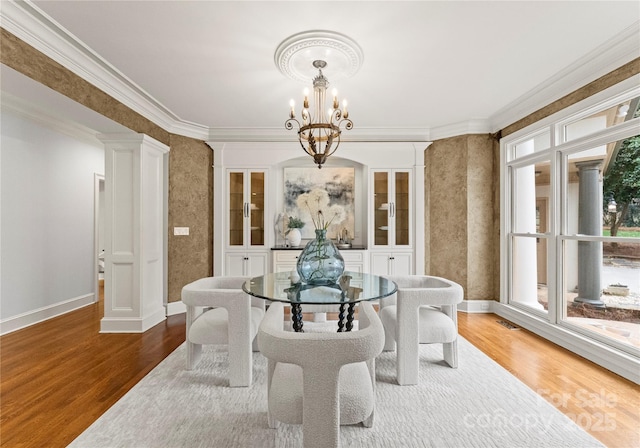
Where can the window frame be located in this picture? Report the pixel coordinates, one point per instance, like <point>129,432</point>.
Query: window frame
<point>553,324</point>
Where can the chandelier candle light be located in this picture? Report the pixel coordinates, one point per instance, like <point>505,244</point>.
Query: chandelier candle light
<point>319,134</point>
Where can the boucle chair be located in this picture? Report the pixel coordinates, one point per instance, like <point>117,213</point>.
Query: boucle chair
<point>321,380</point>
<point>230,317</point>
<point>422,311</point>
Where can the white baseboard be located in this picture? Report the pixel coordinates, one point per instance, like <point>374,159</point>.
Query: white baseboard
<point>131,324</point>
<point>176,308</point>
<point>41,314</point>
<point>477,306</point>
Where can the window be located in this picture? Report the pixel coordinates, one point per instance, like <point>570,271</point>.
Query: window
<point>571,222</point>
<point>603,116</point>
<point>535,143</point>
<point>529,235</point>
<point>601,274</point>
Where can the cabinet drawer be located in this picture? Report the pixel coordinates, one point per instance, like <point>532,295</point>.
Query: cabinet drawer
<point>286,256</point>
<point>354,260</point>
<point>352,256</point>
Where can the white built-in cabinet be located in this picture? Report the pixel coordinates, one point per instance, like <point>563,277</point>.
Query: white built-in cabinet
<point>355,260</point>
<point>286,260</point>
<point>391,221</point>
<point>391,263</point>
<point>246,251</point>
<point>243,264</point>
<point>249,195</point>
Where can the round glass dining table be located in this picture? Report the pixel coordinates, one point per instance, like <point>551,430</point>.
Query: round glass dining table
<point>351,288</point>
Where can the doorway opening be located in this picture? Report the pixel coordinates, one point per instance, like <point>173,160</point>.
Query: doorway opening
<point>98,234</point>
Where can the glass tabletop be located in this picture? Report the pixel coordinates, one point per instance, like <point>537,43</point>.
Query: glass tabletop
<point>351,287</point>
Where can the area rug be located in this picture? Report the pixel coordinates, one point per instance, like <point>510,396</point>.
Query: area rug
<point>480,404</point>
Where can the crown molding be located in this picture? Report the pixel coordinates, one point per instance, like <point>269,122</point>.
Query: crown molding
<point>189,129</point>
<point>609,56</point>
<point>279,135</point>
<point>356,135</point>
<point>24,109</point>
<point>462,128</point>
<point>388,135</point>
<point>29,23</point>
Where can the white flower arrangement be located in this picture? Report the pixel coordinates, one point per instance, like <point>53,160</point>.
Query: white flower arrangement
<point>316,204</point>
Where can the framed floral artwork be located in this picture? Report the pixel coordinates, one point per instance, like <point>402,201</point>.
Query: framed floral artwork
<point>321,199</point>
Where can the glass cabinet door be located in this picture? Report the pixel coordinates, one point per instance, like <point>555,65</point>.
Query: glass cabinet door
<point>391,208</point>
<point>246,208</point>
<point>256,209</point>
<point>381,208</point>
<point>401,213</point>
<point>237,209</point>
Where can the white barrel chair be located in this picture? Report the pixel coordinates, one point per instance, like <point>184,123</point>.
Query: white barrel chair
<point>220,312</point>
<point>321,380</point>
<point>422,311</point>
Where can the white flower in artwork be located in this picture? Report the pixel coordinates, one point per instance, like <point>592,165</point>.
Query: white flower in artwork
<point>316,204</point>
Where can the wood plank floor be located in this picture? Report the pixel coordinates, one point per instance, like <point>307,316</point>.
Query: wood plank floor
<point>604,404</point>
<point>58,376</point>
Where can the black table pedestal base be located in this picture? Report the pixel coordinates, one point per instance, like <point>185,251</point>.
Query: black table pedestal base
<point>296,317</point>
<point>345,317</point>
<point>346,324</point>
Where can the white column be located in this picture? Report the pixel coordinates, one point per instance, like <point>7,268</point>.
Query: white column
<point>525,268</point>
<point>135,209</point>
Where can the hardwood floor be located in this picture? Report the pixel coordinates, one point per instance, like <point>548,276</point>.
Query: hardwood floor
<point>604,404</point>
<point>58,376</point>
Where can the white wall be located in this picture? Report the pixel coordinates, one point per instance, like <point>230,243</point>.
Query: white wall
<point>46,221</point>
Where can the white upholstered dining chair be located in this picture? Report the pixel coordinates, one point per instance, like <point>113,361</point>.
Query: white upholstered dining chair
<point>422,311</point>
<point>220,312</point>
<point>321,380</point>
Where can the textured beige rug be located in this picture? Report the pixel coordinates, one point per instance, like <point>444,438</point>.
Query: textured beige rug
<point>479,404</point>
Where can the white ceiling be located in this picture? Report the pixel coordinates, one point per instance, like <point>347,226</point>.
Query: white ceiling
<point>430,67</point>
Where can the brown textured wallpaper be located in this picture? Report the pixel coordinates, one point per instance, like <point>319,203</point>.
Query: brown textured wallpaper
<point>460,204</point>
<point>190,205</point>
<point>496,219</point>
<point>27,60</point>
<point>482,181</point>
<point>610,79</point>
<point>446,162</point>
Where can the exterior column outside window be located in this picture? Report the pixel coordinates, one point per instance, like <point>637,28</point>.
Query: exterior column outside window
<point>524,277</point>
<point>589,223</point>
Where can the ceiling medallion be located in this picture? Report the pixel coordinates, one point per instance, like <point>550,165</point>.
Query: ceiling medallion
<point>295,54</point>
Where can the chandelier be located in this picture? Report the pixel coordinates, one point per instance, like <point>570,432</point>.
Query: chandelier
<point>319,132</point>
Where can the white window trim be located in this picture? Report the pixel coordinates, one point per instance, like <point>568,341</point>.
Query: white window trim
<point>620,360</point>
